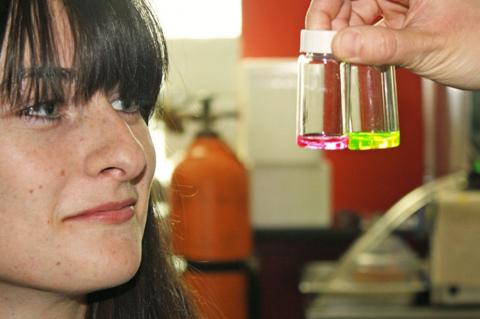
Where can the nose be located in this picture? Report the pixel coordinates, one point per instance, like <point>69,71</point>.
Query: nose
<point>115,150</point>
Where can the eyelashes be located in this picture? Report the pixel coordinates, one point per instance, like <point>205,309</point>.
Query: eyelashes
<point>48,111</point>
<point>51,111</point>
<point>128,107</point>
<point>132,107</point>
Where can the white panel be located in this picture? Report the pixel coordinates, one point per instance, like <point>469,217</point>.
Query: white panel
<point>270,94</point>
<point>193,19</point>
<point>290,197</point>
<point>290,186</point>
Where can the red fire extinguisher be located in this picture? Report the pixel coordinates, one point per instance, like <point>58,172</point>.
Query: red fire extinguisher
<point>210,222</point>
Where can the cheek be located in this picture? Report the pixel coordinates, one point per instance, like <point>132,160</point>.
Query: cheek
<point>144,185</point>
<point>150,154</point>
<point>31,182</point>
<point>32,178</point>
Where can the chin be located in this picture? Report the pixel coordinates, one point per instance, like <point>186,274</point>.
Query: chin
<point>104,276</point>
<point>76,276</point>
<point>104,266</point>
<point>117,268</point>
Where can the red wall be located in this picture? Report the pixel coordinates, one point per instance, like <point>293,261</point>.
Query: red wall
<point>367,182</point>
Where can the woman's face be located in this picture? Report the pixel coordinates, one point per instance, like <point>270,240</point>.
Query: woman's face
<point>74,190</point>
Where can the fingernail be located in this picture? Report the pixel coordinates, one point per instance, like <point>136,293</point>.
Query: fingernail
<point>348,45</point>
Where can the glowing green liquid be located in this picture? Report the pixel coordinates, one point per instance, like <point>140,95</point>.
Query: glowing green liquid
<point>373,140</point>
<point>476,166</point>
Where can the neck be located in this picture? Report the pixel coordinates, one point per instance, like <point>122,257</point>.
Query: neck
<point>20,303</point>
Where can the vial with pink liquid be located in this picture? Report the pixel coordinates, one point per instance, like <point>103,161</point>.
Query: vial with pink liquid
<point>321,114</point>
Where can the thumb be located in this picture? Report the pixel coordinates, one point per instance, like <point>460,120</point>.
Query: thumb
<point>381,45</point>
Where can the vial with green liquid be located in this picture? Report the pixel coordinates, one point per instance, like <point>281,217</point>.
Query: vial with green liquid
<point>372,106</point>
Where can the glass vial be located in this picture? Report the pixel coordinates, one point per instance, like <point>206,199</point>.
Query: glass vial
<point>321,114</point>
<point>372,103</point>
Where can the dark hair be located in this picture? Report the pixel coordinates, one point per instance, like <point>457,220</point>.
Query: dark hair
<point>117,44</point>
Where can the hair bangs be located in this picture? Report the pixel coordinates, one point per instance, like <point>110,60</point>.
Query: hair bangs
<point>30,67</point>
<point>117,46</point>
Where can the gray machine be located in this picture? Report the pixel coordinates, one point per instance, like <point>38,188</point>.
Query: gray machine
<point>378,277</point>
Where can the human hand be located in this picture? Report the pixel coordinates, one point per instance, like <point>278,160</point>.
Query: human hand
<point>437,39</point>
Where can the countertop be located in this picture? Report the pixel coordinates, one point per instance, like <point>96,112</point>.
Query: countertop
<point>390,312</point>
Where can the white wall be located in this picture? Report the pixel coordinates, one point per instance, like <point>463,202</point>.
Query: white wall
<point>200,67</point>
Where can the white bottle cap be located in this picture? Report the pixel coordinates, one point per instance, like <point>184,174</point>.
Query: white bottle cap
<point>316,41</point>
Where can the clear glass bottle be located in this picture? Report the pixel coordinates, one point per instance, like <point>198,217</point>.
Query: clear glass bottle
<point>321,113</point>
<point>372,102</point>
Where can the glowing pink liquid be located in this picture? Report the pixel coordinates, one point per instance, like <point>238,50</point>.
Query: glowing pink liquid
<point>322,142</point>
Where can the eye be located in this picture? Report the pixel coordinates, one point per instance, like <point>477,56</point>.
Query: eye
<point>49,111</point>
<point>125,106</point>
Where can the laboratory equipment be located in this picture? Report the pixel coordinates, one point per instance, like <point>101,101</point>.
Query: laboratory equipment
<point>372,102</point>
<point>321,113</point>
<point>376,278</point>
<point>209,201</point>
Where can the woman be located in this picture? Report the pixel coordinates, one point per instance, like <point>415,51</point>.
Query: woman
<point>78,238</point>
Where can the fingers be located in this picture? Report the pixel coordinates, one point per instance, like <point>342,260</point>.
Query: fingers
<point>395,12</point>
<point>321,13</point>
<point>342,20</point>
<point>379,46</point>
<point>338,14</point>
<point>365,12</point>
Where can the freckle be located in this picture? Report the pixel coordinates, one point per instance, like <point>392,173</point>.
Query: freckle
<point>62,172</point>
<point>58,263</point>
<point>40,186</point>
<point>31,191</point>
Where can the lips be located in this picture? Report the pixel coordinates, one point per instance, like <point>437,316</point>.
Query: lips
<point>107,213</point>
